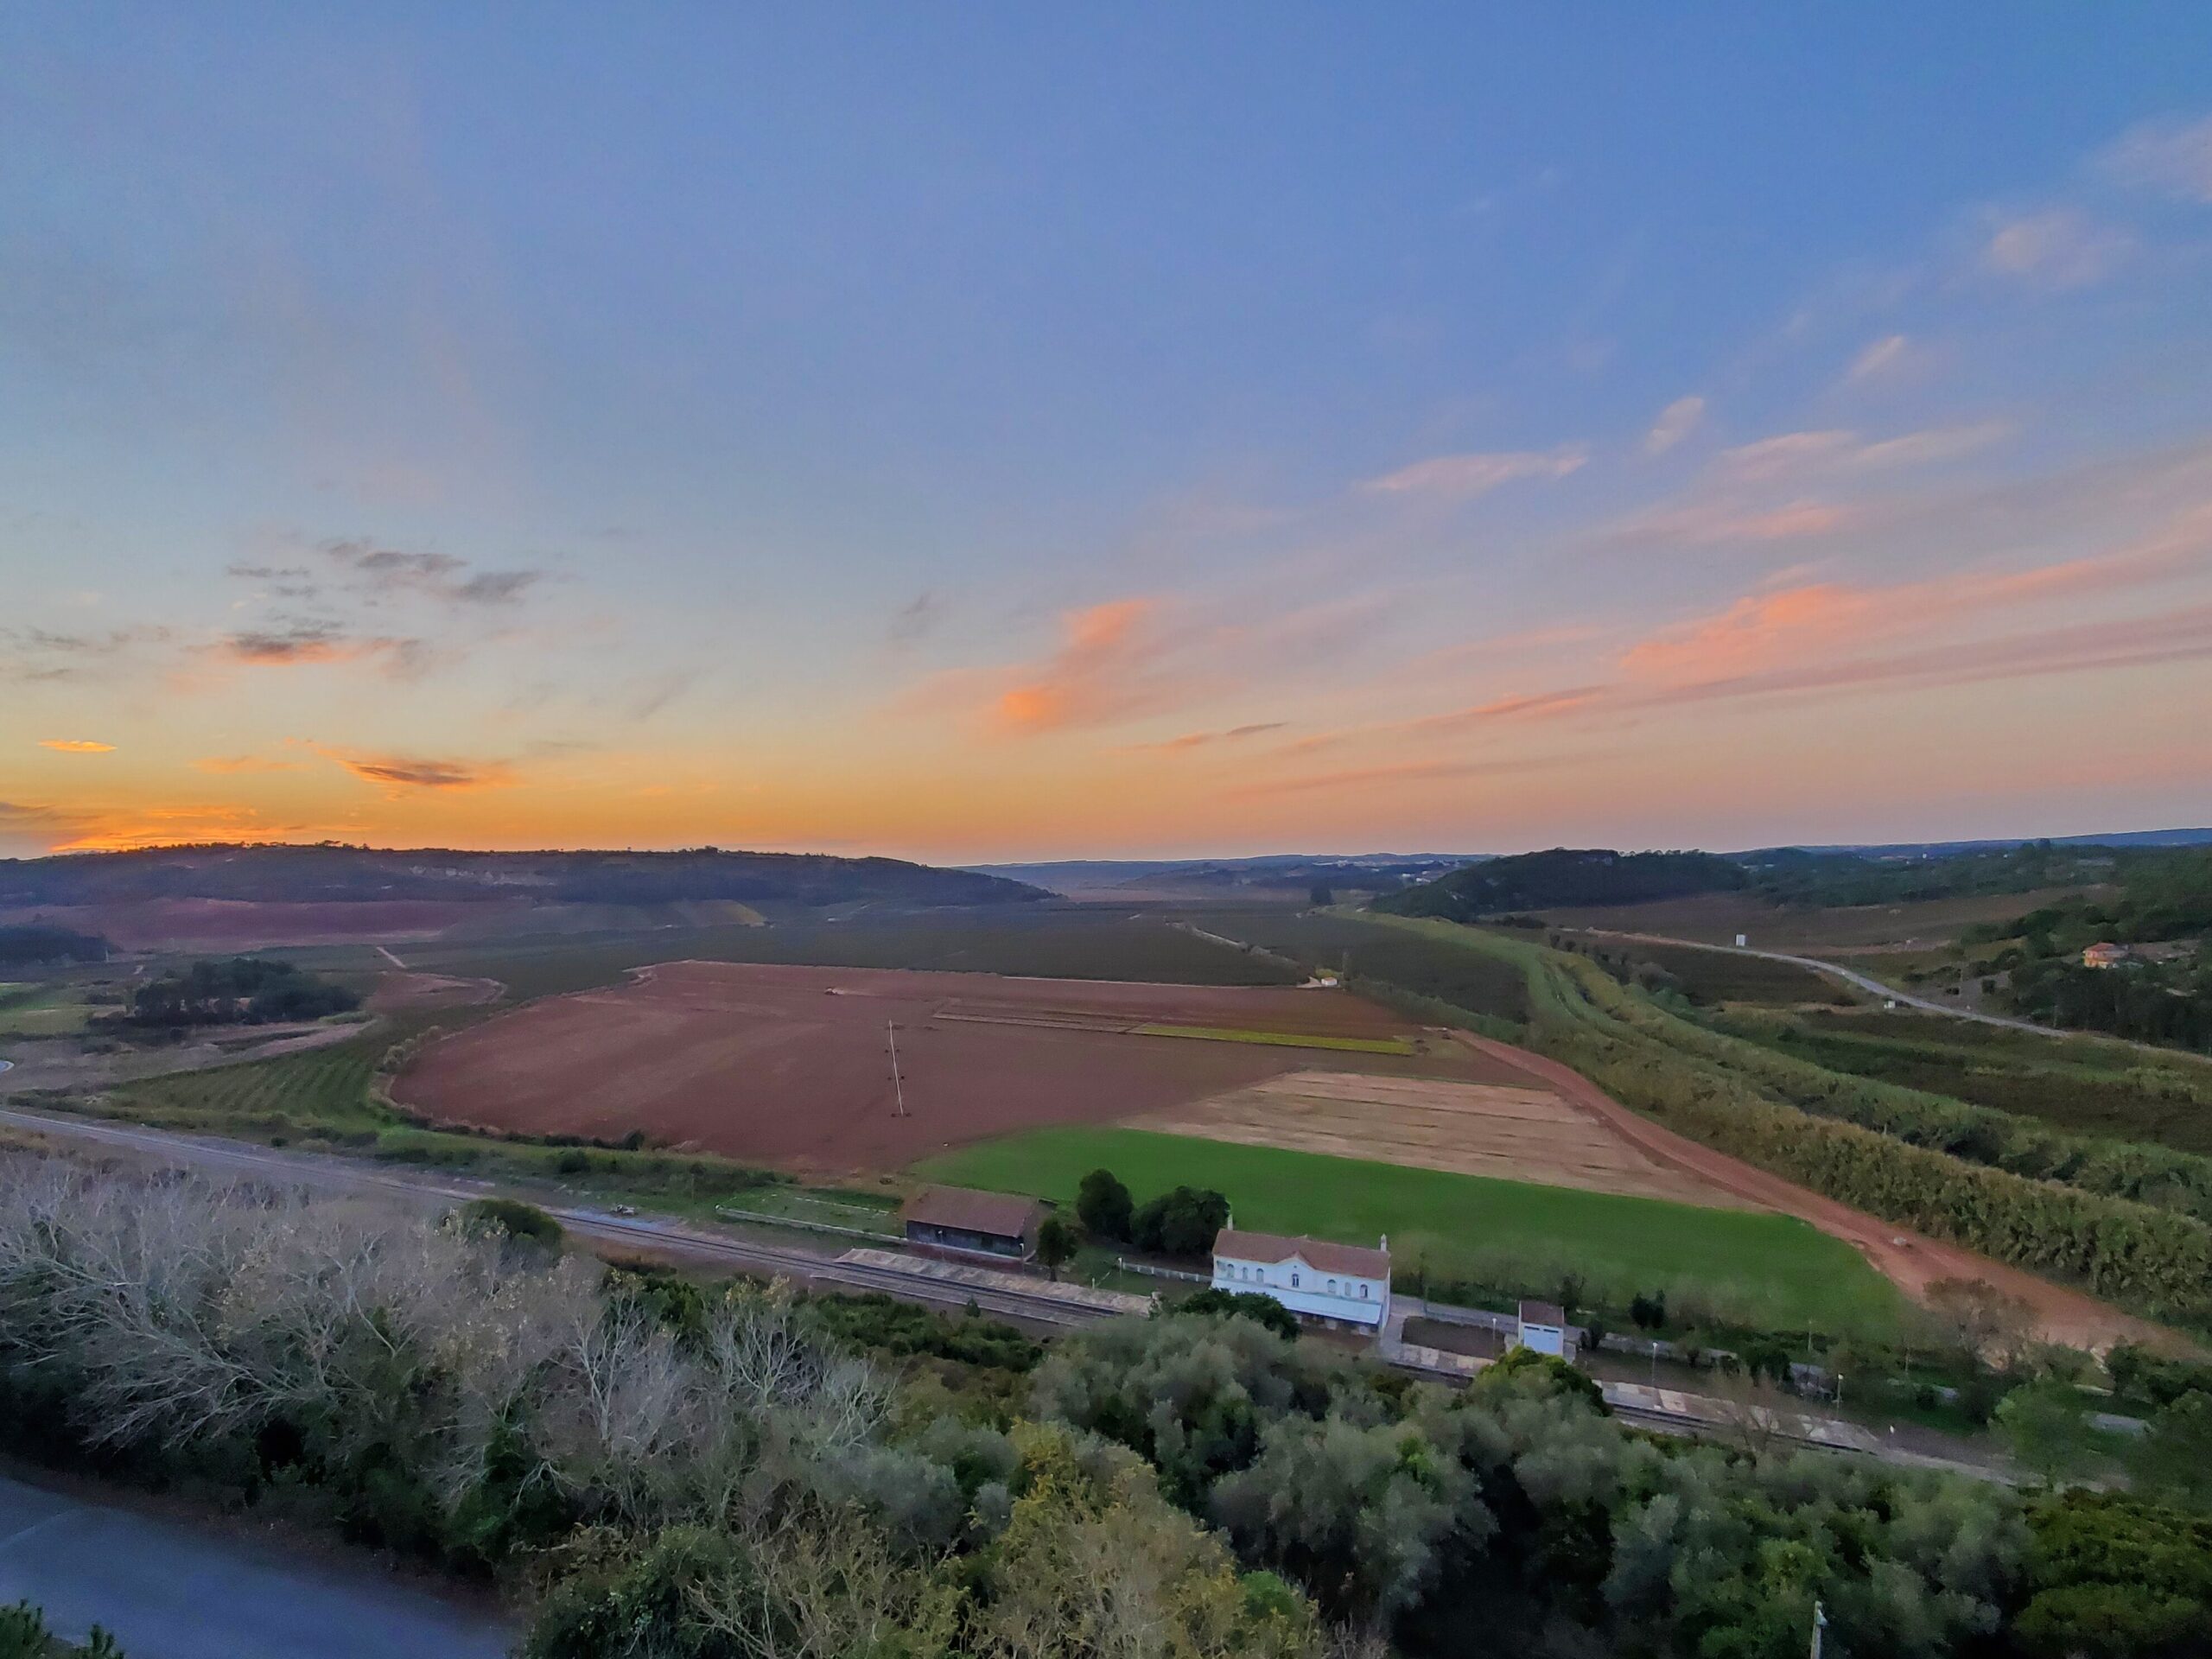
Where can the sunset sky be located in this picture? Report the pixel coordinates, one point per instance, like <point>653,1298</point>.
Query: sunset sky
<point>989,432</point>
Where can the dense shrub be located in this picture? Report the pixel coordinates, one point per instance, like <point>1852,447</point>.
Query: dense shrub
<point>1180,1223</point>
<point>1240,1303</point>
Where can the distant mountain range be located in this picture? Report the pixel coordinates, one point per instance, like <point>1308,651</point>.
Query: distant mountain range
<point>332,874</point>
<point>1389,872</point>
<point>1355,872</point>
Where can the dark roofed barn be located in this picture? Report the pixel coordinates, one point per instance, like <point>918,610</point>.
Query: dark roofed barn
<point>966,1223</point>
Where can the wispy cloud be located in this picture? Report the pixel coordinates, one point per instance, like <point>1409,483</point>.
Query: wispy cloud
<point>75,746</point>
<point>1800,454</point>
<point>1204,739</point>
<point>1882,357</point>
<point>36,655</point>
<point>229,765</point>
<point>1676,422</point>
<point>2059,248</point>
<point>1719,523</point>
<point>1142,656</point>
<point>407,773</point>
<point>2172,155</point>
<point>314,642</point>
<point>916,619</point>
<point>1462,478</point>
<point>1406,771</point>
<point>439,576</point>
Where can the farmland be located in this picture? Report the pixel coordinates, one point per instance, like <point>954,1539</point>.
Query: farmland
<point>1713,976</point>
<point>1717,917</point>
<point>1764,1269</point>
<point>791,1066</point>
<point>1512,1131</point>
<point>1042,943</point>
<point>1338,941</point>
<point>2077,1082</point>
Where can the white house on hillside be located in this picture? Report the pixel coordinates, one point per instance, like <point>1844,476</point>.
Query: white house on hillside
<point>1334,1284</point>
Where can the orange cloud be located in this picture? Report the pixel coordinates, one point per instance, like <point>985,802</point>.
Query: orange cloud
<point>75,746</point>
<point>1094,675</point>
<point>1753,632</point>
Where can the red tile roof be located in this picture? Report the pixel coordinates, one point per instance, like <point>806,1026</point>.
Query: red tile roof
<point>1542,1313</point>
<point>1351,1259</point>
<point>967,1211</point>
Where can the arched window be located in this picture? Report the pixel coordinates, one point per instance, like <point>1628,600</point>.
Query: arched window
<point>1333,1286</point>
<point>1362,1292</point>
<point>1294,1282</point>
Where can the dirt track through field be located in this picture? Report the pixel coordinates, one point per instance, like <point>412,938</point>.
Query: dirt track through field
<point>1508,1132</point>
<point>1910,1260</point>
<point>791,1066</point>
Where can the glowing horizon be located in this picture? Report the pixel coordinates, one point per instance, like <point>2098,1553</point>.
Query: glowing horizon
<point>1069,438</point>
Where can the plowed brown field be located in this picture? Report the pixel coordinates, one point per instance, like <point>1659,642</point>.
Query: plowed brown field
<point>1509,1133</point>
<point>791,1066</point>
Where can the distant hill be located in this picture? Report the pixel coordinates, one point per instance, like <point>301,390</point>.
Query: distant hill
<point>1355,871</point>
<point>1564,877</point>
<point>332,874</point>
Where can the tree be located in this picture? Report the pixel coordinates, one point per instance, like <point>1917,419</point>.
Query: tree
<point>1320,896</point>
<point>2174,1459</point>
<point>1241,1304</point>
<point>1056,1242</point>
<point>1988,1325</point>
<point>1181,1223</point>
<point>1103,1205</point>
<point>510,1218</point>
<point>2044,1429</point>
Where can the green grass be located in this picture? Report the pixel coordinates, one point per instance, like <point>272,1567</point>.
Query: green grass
<point>1762,1270</point>
<point>1281,1039</point>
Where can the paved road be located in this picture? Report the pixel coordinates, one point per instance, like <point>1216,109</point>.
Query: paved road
<point>170,1590</point>
<point>1865,982</point>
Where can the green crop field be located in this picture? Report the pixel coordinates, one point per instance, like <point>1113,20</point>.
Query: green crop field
<point>1046,943</point>
<point>1279,1039</point>
<point>2076,1082</point>
<point>43,1010</point>
<point>1749,1268</point>
<point>1710,977</point>
<point>1335,940</point>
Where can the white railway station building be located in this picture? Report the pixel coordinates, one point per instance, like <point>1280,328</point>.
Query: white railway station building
<point>1341,1285</point>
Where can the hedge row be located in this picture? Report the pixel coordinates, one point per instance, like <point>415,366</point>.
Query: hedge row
<point>2155,1262</point>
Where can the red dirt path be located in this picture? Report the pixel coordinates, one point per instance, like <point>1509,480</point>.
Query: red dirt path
<point>788,1065</point>
<point>1910,1260</point>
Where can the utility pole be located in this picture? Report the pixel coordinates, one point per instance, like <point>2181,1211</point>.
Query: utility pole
<point>898,1086</point>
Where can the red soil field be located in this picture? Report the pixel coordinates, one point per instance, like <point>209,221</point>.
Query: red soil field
<point>789,1065</point>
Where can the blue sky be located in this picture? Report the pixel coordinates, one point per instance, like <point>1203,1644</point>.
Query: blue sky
<point>1003,432</point>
